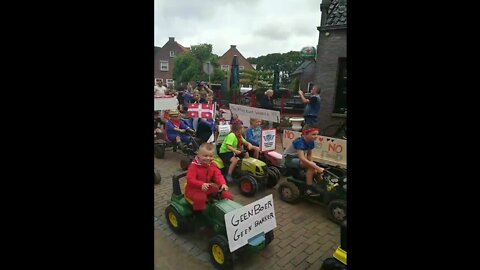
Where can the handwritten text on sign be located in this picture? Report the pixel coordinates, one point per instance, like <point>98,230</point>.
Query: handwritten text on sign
<point>165,103</point>
<point>250,220</point>
<point>328,150</point>
<point>267,115</point>
<point>268,139</point>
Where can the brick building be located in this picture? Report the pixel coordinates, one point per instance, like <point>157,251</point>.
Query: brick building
<point>164,60</point>
<point>331,64</point>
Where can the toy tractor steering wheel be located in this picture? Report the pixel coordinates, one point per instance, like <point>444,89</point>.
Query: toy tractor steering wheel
<point>218,195</point>
<point>242,154</point>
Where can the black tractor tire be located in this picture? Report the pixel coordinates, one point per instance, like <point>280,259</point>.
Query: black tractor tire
<point>337,211</point>
<point>288,192</point>
<point>159,151</point>
<point>175,221</point>
<point>248,185</point>
<point>220,252</point>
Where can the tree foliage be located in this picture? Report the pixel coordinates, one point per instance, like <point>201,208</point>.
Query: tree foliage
<point>189,66</point>
<point>287,63</point>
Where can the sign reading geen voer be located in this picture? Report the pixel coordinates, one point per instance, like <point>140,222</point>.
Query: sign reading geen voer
<point>246,222</point>
<point>267,115</point>
<point>267,142</point>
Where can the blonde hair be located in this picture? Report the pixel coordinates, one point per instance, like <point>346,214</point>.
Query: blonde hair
<point>253,120</point>
<point>206,146</point>
<point>268,91</point>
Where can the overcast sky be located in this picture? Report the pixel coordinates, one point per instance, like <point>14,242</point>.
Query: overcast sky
<point>257,27</point>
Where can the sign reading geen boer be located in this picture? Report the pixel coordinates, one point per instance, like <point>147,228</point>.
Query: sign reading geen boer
<point>328,150</point>
<point>267,115</point>
<point>165,103</point>
<point>246,222</point>
<point>267,142</point>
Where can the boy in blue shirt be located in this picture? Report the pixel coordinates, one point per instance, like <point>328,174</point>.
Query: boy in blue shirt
<point>299,155</point>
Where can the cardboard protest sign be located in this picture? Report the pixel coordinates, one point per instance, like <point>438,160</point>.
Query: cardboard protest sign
<point>249,221</point>
<point>328,150</point>
<point>267,115</point>
<point>267,142</point>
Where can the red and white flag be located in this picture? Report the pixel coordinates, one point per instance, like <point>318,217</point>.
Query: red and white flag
<point>196,110</point>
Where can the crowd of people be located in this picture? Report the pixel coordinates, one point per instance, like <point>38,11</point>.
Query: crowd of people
<point>234,146</point>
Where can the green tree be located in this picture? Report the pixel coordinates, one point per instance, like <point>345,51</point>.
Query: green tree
<point>287,62</point>
<point>189,66</point>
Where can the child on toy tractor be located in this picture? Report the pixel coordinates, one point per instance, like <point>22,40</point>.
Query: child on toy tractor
<point>204,178</point>
<point>231,149</point>
<point>299,156</point>
<point>176,130</point>
<point>254,132</point>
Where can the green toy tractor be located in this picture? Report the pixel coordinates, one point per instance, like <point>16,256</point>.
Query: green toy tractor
<point>252,174</point>
<point>181,219</point>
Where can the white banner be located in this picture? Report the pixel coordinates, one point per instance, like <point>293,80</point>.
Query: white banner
<point>267,142</point>
<point>246,222</point>
<point>328,150</point>
<point>267,115</point>
<point>165,103</point>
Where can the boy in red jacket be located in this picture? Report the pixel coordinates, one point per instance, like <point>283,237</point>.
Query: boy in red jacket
<point>204,178</point>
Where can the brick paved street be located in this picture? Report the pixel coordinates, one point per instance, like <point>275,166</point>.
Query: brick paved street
<point>304,236</point>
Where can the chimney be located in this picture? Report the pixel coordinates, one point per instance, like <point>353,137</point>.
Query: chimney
<point>233,46</point>
<point>171,39</point>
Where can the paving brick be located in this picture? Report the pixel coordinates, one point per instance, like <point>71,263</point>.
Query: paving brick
<point>285,251</point>
<point>285,242</point>
<point>316,265</point>
<point>299,258</point>
<point>299,240</point>
<point>300,232</point>
<point>312,239</point>
<point>314,256</point>
<point>312,248</point>
<point>303,265</point>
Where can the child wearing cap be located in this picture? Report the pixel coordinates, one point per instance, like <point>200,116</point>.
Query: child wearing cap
<point>176,130</point>
<point>299,155</point>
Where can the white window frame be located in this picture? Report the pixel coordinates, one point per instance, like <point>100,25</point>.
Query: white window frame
<point>162,66</point>
<point>225,67</point>
<point>170,82</point>
<point>172,53</point>
<point>241,67</point>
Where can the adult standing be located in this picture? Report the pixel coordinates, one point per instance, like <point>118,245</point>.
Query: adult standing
<point>267,103</point>
<point>312,107</point>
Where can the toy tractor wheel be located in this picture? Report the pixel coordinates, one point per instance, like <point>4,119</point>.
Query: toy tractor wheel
<point>159,151</point>
<point>248,185</point>
<point>157,178</point>
<point>288,192</point>
<point>220,252</point>
<point>269,236</point>
<point>184,163</point>
<point>272,177</point>
<point>176,222</point>
<point>332,264</point>
<point>337,211</point>
<point>277,171</point>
